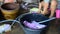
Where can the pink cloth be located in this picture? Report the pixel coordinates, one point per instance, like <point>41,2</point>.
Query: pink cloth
<point>58,13</point>
<point>34,25</point>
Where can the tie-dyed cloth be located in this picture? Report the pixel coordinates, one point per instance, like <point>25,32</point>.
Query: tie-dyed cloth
<point>34,25</point>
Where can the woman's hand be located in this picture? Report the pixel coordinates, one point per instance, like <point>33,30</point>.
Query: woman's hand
<point>39,11</point>
<point>44,12</point>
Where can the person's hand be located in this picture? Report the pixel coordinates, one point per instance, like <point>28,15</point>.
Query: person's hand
<point>44,12</point>
<point>39,11</point>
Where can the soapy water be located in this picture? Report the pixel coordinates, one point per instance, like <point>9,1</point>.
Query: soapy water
<point>34,25</point>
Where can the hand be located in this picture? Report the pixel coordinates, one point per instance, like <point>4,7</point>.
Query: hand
<point>44,12</point>
<point>39,11</point>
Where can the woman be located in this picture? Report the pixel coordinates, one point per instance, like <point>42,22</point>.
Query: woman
<point>45,4</point>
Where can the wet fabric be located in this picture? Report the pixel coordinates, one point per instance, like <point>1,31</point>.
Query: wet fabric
<point>34,25</point>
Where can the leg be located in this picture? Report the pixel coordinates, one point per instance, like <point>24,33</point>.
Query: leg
<point>46,4</point>
<point>53,7</point>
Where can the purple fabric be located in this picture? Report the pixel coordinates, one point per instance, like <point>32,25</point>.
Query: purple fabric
<point>34,25</point>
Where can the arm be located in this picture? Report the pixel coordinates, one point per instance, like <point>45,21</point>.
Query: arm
<point>40,6</point>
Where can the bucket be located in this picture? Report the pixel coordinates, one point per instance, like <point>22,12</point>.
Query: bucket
<point>33,17</point>
<point>9,10</point>
<point>58,13</point>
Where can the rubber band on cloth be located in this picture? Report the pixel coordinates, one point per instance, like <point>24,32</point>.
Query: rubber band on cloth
<point>46,1</point>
